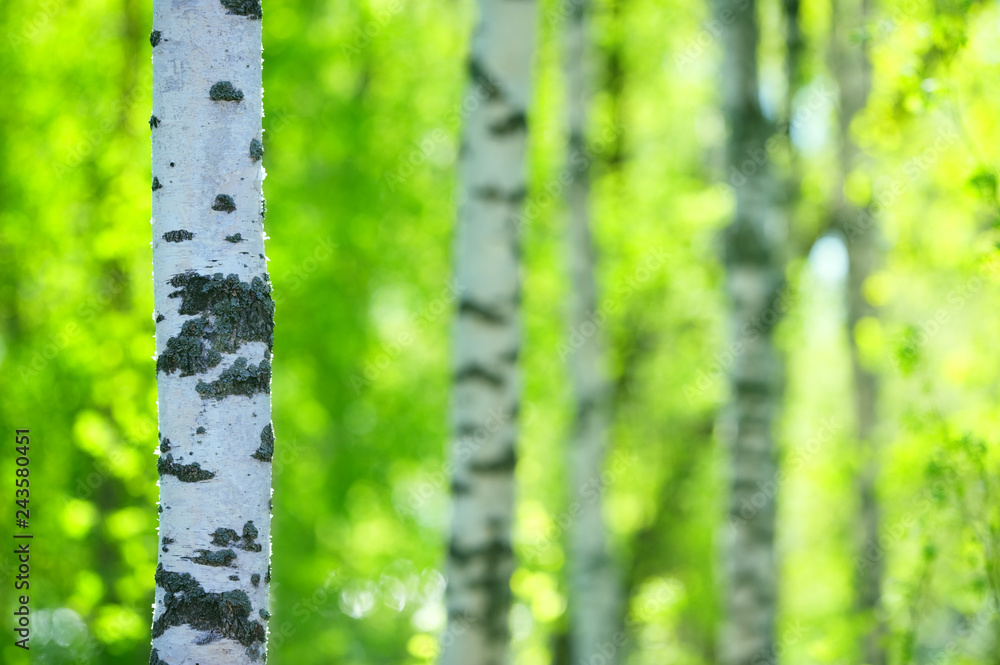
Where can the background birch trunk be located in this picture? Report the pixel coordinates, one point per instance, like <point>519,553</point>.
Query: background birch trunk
<point>595,587</point>
<point>214,334</point>
<point>492,188</point>
<point>754,263</point>
<point>852,69</point>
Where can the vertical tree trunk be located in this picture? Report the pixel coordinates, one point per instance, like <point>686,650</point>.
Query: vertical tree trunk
<point>753,255</point>
<point>487,334</point>
<point>214,334</point>
<point>853,72</point>
<point>595,593</point>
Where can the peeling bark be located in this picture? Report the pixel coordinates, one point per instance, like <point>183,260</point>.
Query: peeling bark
<point>215,323</point>
<point>487,335</point>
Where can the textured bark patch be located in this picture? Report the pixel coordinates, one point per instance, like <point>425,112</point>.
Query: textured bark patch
<point>249,8</point>
<point>264,614</point>
<point>235,238</point>
<point>266,450</point>
<point>154,659</point>
<point>233,312</point>
<point>164,445</point>
<point>225,614</point>
<point>224,203</point>
<point>178,236</point>
<point>224,91</point>
<point>210,558</point>
<point>223,537</point>
<point>255,579</point>
<point>188,352</point>
<point>154,38</point>
<point>240,379</point>
<point>154,122</point>
<point>187,473</point>
<point>256,150</point>
<point>156,184</point>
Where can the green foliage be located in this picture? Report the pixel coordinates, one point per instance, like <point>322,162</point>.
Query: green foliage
<point>363,113</point>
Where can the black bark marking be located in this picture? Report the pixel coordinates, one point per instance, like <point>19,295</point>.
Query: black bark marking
<point>225,614</point>
<point>200,430</point>
<point>479,76</point>
<point>218,558</point>
<point>160,317</point>
<point>255,579</point>
<point>256,150</point>
<point>235,238</point>
<point>504,464</point>
<point>495,315</point>
<point>154,38</point>
<point>187,473</point>
<point>264,614</point>
<point>164,445</point>
<point>475,371</point>
<point>223,537</point>
<point>241,378</point>
<point>154,122</point>
<point>233,312</point>
<point>234,578</point>
<point>178,236</point>
<point>267,575</point>
<point>156,184</point>
<point>249,8</point>
<point>224,91</point>
<point>497,195</point>
<point>154,659</point>
<point>224,203</point>
<point>266,450</point>
<point>166,541</point>
<point>515,122</point>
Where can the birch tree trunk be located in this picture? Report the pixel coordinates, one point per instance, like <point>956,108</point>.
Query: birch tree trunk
<point>487,333</point>
<point>853,72</point>
<point>753,256</point>
<point>214,334</point>
<point>595,593</point>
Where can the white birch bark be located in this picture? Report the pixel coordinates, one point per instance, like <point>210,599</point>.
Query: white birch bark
<point>595,587</point>
<point>214,333</point>
<point>853,71</point>
<point>754,277</point>
<point>487,335</point>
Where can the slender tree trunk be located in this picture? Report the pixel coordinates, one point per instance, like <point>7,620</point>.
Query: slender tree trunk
<point>754,263</point>
<point>595,587</point>
<point>853,72</point>
<point>488,334</point>
<point>214,334</point>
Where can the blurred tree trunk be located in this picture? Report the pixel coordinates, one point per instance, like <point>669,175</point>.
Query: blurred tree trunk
<point>755,275</point>
<point>595,586</point>
<point>852,69</point>
<point>486,396</point>
<point>214,334</point>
